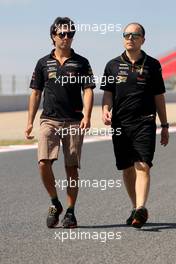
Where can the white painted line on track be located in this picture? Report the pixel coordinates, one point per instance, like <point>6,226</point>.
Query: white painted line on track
<point>89,139</point>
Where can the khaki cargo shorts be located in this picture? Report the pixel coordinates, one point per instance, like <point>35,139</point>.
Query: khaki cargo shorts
<point>52,133</point>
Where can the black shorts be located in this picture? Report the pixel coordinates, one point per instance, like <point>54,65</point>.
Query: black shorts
<point>136,143</point>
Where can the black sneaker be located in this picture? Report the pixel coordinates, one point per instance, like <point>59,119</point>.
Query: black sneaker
<point>131,218</point>
<point>140,217</point>
<point>53,216</point>
<point>69,220</point>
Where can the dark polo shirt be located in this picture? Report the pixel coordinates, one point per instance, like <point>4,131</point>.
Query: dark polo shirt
<point>62,86</point>
<point>134,87</point>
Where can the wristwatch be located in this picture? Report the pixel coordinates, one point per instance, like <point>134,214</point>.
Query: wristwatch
<point>165,125</point>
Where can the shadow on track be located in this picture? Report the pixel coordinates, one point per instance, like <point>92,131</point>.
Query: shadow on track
<point>148,227</point>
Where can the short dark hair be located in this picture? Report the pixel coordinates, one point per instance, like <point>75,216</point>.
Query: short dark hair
<point>61,21</point>
<point>138,24</point>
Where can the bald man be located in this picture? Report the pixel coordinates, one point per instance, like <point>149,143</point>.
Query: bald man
<point>134,93</point>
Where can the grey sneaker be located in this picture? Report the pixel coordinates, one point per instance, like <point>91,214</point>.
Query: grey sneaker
<point>53,216</point>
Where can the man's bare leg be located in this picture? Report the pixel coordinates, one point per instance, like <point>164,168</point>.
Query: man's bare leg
<point>72,191</point>
<point>129,177</point>
<point>142,183</point>
<point>48,179</point>
<point>45,167</point>
<point>69,220</point>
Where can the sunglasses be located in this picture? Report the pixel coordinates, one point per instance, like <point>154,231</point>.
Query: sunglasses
<point>134,35</point>
<point>69,35</point>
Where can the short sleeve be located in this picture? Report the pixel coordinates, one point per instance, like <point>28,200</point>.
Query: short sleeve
<point>107,82</point>
<point>158,82</point>
<point>88,80</point>
<point>37,81</point>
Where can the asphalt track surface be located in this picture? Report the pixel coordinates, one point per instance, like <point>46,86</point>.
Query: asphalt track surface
<point>24,237</point>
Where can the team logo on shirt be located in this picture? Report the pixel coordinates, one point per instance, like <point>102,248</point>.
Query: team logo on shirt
<point>51,66</point>
<point>144,70</point>
<point>123,73</point>
<point>123,66</point>
<point>121,79</point>
<point>73,64</point>
<point>51,69</point>
<point>52,75</point>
